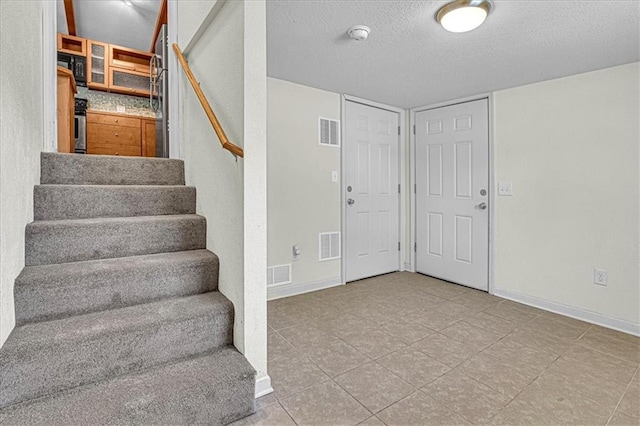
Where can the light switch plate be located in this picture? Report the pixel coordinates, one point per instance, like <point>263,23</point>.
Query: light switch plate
<point>334,176</point>
<point>505,189</point>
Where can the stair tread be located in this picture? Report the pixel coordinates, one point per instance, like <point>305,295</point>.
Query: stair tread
<point>46,275</point>
<point>75,240</point>
<point>213,388</point>
<point>89,326</point>
<point>110,186</point>
<point>47,292</point>
<point>106,169</point>
<point>114,220</point>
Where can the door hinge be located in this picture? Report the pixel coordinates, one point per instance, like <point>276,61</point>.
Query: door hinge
<point>398,188</point>
<point>398,245</point>
<point>414,129</point>
<point>415,247</point>
<point>415,188</point>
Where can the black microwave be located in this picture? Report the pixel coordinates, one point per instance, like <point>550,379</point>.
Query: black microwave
<point>77,65</point>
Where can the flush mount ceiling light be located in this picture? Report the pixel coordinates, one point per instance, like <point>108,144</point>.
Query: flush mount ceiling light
<point>359,32</point>
<point>463,15</point>
<point>128,2</point>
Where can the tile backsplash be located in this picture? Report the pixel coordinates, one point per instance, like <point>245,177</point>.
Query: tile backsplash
<point>109,102</point>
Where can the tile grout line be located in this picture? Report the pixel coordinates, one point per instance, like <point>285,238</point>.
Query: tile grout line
<point>623,395</point>
<point>288,413</point>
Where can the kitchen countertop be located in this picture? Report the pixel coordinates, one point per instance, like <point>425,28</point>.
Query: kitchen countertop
<point>127,114</point>
<point>67,73</point>
<point>100,101</point>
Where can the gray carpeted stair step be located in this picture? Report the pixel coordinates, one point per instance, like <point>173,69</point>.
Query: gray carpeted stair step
<point>58,202</point>
<point>47,292</point>
<point>74,169</point>
<point>63,241</point>
<point>214,389</point>
<point>47,357</point>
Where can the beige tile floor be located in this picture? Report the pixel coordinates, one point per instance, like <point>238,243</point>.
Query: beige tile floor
<point>405,349</point>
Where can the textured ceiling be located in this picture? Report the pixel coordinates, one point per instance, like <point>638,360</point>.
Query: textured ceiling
<point>112,21</point>
<point>409,60</point>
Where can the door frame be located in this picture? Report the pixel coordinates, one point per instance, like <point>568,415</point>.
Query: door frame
<point>49,77</point>
<point>402,167</point>
<point>492,177</point>
<point>50,86</point>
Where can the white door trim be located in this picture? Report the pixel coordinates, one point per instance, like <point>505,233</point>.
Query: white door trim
<point>492,191</point>
<point>49,77</point>
<point>174,83</point>
<point>402,211</point>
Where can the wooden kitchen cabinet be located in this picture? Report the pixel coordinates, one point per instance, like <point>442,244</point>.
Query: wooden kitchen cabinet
<point>129,59</point>
<point>66,109</point>
<point>128,82</point>
<point>129,71</point>
<point>148,137</point>
<point>118,134</point>
<point>72,44</point>
<point>111,68</point>
<point>97,65</point>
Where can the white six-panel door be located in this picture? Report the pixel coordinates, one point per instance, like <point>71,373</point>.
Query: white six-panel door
<point>371,185</point>
<point>452,199</point>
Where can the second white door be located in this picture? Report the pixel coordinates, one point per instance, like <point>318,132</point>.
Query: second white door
<point>371,185</point>
<point>452,198</point>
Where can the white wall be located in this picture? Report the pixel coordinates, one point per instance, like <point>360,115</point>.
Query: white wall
<point>255,190</point>
<point>21,139</point>
<point>302,200</point>
<point>230,65</point>
<point>570,147</point>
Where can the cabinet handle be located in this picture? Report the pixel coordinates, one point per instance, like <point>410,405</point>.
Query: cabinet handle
<point>117,120</point>
<point>116,135</point>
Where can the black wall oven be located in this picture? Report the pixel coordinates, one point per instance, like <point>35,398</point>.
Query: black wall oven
<point>77,65</point>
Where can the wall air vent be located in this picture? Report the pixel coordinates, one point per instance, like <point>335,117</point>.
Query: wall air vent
<point>280,274</point>
<point>328,132</point>
<point>329,245</point>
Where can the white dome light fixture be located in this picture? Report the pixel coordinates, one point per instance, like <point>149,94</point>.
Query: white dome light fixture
<point>359,32</point>
<point>461,16</point>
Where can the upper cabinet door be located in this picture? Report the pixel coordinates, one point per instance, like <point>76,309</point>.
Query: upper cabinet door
<point>98,65</point>
<point>129,71</point>
<point>72,45</point>
<point>129,59</point>
<point>128,82</point>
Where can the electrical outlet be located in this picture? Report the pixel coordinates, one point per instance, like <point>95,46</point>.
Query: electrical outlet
<point>505,188</point>
<point>600,277</point>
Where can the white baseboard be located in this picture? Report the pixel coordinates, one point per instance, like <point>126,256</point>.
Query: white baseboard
<point>570,311</point>
<point>293,289</point>
<point>263,386</point>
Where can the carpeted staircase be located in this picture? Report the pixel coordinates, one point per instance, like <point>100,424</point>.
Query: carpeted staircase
<point>119,320</point>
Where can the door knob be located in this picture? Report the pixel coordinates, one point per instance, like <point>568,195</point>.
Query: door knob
<point>351,201</point>
<point>482,206</point>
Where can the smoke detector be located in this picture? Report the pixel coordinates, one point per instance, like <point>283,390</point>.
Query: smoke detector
<point>359,32</point>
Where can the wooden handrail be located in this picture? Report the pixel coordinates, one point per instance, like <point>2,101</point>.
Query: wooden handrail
<point>234,149</point>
